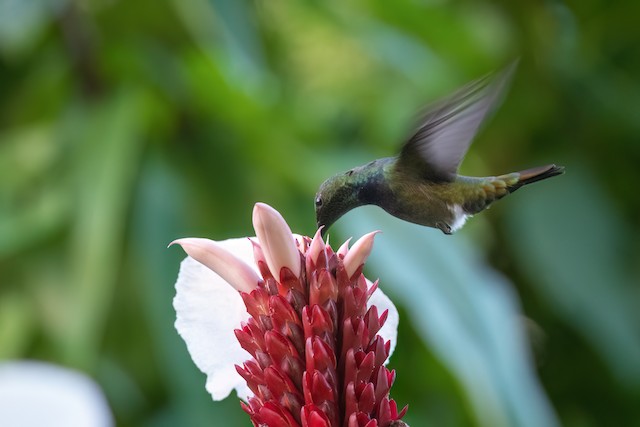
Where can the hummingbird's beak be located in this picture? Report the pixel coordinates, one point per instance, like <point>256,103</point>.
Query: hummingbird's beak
<point>323,230</point>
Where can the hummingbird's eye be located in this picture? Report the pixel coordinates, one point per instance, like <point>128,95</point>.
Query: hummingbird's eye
<point>318,201</point>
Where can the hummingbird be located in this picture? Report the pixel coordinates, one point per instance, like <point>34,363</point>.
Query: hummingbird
<point>421,184</point>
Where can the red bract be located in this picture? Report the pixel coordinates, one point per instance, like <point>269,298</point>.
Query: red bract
<point>317,360</point>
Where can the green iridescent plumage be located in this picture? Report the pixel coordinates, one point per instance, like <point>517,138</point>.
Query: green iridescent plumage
<point>421,184</point>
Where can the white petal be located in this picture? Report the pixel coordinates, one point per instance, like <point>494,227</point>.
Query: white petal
<point>208,310</point>
<point>389,331</point>
<point>34,394</point>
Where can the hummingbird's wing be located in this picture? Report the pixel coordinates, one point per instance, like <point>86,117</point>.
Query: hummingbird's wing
<point>447,129</point>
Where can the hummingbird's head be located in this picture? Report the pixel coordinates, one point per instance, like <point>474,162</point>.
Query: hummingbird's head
<point>336,196</point>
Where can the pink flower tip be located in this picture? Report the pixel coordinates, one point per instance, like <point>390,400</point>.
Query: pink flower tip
<point>222,262</point>
<point>276,240</point>
<point>317,245</point>
<point>359,252</point>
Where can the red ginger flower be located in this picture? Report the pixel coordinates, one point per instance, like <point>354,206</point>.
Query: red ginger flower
<point>313,334</point>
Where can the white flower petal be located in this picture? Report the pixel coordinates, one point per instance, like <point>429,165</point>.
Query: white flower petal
<point>208,310</point>
<point>389,331</point>
<point>34,394</point>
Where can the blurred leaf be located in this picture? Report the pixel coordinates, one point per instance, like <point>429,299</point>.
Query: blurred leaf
<point>31,206</point>
<point>464,310</point>
<point>21,22</point>
<point>226,30</point>
<point>17,318</point>
<point>570,242</point>
<point>107,159</point>
<point>31,150</point>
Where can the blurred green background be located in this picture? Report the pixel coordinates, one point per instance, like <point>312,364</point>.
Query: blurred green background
<point>124,125</point>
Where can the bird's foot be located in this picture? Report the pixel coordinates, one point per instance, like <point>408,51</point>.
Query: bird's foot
<point>444,227</point>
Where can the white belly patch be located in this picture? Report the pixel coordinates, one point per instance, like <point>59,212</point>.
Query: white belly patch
<point>459,217</point>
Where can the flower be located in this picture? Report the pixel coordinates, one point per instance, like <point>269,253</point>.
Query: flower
<point>34,393</point>
<point>290,324</point>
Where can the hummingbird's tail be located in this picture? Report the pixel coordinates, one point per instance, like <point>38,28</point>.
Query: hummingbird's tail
<point>490,189</point>
<point>534,175</point>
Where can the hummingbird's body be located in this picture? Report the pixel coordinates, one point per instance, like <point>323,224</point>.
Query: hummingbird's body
<point>421,184</point>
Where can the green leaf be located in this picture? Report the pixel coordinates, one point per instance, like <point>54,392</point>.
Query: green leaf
<point>33,204</point>
<point>110,143</point>
<point>18,319</point>
<point>570,242</point>
<point>21,22</point>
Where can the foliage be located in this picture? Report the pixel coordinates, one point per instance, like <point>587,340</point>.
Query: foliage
<point>124,125</point>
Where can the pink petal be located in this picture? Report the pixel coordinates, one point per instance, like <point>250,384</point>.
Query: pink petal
<point>228,266</point>
<point>344,249</point>
<point>389,331</point>
<point>276,240</point>
<point>317,246</point>
<point>359,253</point>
